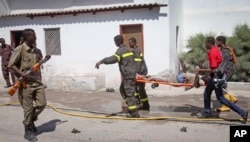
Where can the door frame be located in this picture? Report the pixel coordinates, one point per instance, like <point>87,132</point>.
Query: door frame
<point>12,37</point>
<point>134,25</point>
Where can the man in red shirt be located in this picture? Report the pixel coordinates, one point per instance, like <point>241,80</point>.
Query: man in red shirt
<point>215,58</point>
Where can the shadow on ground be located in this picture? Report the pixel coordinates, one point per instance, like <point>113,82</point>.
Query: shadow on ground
<point>49,126</point>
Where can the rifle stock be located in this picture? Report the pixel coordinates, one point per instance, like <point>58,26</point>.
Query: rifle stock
<point>13,89</point>
<point>20,81</point>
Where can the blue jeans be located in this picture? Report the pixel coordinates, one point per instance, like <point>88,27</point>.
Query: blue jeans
<point>219,95</point>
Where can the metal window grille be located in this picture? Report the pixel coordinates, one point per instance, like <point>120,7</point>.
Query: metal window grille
<point>52,41</point>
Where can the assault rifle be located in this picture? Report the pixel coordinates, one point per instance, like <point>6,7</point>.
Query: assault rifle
<point>21,81</point>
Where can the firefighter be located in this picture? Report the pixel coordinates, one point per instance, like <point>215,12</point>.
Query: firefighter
<point>141,70</point>
<point>5,53</point>
<point>127,67</point>
<point>228,65</point>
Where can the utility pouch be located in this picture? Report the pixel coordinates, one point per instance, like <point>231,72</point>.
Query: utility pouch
<point>220,82</point>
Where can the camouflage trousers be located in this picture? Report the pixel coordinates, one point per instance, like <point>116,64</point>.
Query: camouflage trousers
<point>127,90</point>
<point>33,101</point>
<point>6,74</point>
<point>141,92</point>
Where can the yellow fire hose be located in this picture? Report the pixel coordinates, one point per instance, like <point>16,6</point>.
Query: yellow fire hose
<point>127,118</point>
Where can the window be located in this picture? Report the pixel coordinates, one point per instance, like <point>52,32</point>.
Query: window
<point>52,41</point>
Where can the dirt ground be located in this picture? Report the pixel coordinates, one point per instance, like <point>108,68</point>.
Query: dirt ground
<point>173,102</point>
<point>165,101</point>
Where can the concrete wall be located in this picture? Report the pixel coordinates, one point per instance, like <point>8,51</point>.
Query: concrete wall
<point>176,32</point>
<point>87,38</point>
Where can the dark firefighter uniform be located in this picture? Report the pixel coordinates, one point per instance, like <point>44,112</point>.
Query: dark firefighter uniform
<point>5,53</point>
<point>127,67</point>
<point>142,69</point>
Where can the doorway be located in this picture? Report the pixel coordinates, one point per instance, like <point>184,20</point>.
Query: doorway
<point>136,31</point>
<point>15,38</point>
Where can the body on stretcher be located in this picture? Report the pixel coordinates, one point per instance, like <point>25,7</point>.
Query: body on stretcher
<point>187,80</point>
<point>194,81</point>
<point>156,83</point>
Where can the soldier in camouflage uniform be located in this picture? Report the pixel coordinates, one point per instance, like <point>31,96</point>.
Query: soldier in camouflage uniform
<point>5,53</point>
<point>23,58</point>
<point>127,67</point>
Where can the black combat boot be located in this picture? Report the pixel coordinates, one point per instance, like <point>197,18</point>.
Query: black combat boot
<point>133,113</point>
<point>33,127</point>
<point>29,134</point>
<point>145,106</point>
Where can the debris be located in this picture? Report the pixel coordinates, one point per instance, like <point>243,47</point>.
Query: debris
<point>74,131</point>
<point>194,114</point>
<point>107,122</point>
<point>184,129</point>
<point>110,90</point>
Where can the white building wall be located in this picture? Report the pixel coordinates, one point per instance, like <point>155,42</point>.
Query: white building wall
<point>156,43</point>
<point>175,37</point>
<point>87,38</point>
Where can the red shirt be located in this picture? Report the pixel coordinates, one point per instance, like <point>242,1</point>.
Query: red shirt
<point>214,57</point>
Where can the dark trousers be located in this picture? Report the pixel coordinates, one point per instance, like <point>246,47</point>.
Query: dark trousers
<point>219,95</point>
<point>6,74</point>
<point>127,90</point>
<point>140,89</point>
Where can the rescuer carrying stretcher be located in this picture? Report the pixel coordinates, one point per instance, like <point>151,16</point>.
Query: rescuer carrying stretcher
<point>196,80</point>
<point>125,59</point>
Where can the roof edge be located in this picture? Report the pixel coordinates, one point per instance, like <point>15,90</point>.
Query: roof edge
<point>86,10</point>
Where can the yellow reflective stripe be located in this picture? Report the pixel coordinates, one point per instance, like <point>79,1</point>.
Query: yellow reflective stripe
<point>136,94</point>
<point>118,57</point>
<point>138,59</point>
<point>127,54</point>
<point>141,55</point>
<point>144,100</point>
<point>132,107</point>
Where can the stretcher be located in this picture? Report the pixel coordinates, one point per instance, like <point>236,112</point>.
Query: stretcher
<point>155,84</point>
